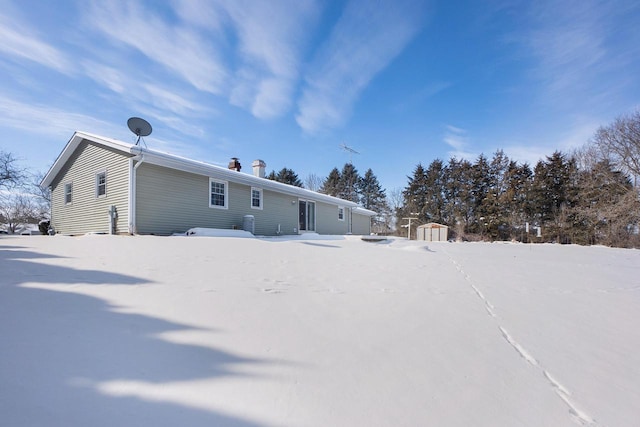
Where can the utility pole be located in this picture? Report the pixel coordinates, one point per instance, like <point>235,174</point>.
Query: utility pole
<point>408,227</point>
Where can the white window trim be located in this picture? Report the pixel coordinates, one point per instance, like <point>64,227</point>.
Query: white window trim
<point>226,193</point>
<point>259,190</point>
<point>64,190</point>
<point>105,184</point>
<point>341,208</point>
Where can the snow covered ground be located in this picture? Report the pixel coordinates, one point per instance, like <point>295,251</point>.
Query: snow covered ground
<point>203,331</point>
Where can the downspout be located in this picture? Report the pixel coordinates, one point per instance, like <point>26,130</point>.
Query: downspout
<point>350,220</point>
<point>132,191</point>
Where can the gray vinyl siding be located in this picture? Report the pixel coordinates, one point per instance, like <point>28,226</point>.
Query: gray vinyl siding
<point>361,224</point>
<point>171,201</point>
<point>88,213</point>
<point>278,209</point>
<point>327,221</point>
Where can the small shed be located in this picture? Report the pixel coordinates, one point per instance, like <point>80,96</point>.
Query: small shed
<point>432,232</point>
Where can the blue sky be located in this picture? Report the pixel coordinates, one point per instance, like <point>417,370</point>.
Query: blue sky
<point>288,82</point>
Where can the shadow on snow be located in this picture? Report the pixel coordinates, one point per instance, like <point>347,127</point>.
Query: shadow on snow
<point>58,346</point>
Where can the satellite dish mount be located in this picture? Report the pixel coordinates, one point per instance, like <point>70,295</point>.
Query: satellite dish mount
<point>140,127</point>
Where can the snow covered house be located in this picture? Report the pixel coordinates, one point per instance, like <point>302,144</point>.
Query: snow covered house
<point>104,185</point>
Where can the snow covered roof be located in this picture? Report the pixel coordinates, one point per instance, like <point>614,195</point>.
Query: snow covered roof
<point>432,225</point>
<point>193,166</point>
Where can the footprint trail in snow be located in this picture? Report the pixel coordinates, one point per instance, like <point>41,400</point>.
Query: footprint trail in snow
<point>576,414</point>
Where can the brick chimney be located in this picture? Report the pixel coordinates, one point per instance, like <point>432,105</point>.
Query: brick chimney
<point>258,168</point>
<point>234,164</point>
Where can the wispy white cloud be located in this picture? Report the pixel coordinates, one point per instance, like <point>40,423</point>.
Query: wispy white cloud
<point>110,77</point>
<point>262,43</point>
<point>527,153</point>
<point>535,145</point>
<point>53,122</point>
<point>419,96</point>
<point>457,139</point>
<point>170,101</point>
<point>568,41</point>
<point>176,47</point>
<point>271,37</point>
<point>22,42</point>
<point>576,55</point>
<point>162,103</point>
<point>367,37</point>
<point>46,120</point>
<point>201,13</point>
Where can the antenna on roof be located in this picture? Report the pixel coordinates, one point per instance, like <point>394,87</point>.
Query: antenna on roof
<point>140,127</point>
<point>349,150</point>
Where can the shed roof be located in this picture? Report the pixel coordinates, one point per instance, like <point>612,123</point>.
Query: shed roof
<point>193,166</point>
<point>433,225</point>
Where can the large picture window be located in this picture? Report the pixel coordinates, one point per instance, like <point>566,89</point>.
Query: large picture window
<point>101,184</point>
<point>218,194</point>
<point>256,198</point>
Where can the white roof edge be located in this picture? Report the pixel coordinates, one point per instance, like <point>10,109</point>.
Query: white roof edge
<point>364,211</point>
<point>193,166</point>
<point>71,146</point>
<point>202,168</point>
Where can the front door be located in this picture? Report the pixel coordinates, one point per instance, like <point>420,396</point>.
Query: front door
<point>307,215</point>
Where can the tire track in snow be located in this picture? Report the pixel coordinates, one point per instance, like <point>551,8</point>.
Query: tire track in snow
<point>565,395</point>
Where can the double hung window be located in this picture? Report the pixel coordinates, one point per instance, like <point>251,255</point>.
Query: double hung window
<point>256,198</point>
<point>218,194</point>
<point>101,184</point>
<point>68,193</point>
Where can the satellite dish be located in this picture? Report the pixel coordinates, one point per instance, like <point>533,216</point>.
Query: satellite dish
<point>140,127</point>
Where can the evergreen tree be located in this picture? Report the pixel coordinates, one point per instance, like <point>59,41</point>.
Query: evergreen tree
<point>349,188</point>
<point>373,197</point>
<point>286,176</point>
<point>414,196</point>
<point>515,201</point>
<point>554,193</point>
<point>372,194</point>
<point>479,191</point>
<point>434,187</point>
<point>458,184</point>
<point>492,206</point>
<point>331,185</point>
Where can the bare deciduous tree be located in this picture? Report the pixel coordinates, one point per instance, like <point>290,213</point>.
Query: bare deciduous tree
<point>619,142</point>
<point>41,196</point>
<point>11,175</point>
<point>17,209</point>
<point>313,182</point>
